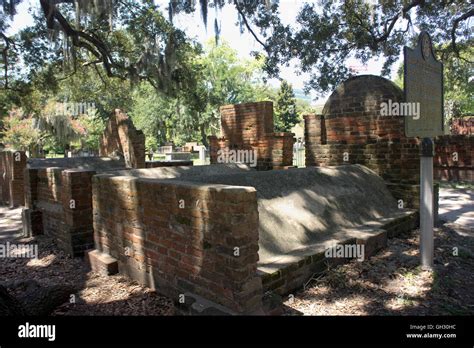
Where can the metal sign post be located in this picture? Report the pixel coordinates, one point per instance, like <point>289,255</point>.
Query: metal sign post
<point>426,204</point>
<point>423,84</point>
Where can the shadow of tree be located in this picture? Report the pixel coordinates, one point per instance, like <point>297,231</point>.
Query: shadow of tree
<point>392,283</point>
<point>94,294</point>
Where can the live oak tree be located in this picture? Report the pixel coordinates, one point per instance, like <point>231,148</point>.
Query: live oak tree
<point>326,34</point>
<point>329,33</point>
<point>134,41</point>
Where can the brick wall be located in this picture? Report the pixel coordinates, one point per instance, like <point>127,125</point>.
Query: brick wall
<point>58,199</point>
<point>12,165</point>
<point>59,204</point>
<point>454,157</point>
<point>463,126</point>
<point>182,249</point>
<point>122,138</point>
<point>249,126</point>
<point>244,123</point>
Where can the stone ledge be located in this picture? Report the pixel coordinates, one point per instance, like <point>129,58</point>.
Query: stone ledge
<point>290,272</point>
<point>197,305</point>
<point>101,263</point>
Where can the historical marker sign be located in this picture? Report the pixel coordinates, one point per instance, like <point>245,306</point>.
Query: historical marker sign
<point>423,82</point>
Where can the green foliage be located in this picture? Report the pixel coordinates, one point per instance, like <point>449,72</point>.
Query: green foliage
<point>153,114</point>
<point>286,114</point>
<point>59,125</point>
<point>19,132</point>
<point>93,126</point>
<point>142,44</point>
<point>142,48</point>
<point>458,84</point>
<point>222,78</point>
<point>328,33</point>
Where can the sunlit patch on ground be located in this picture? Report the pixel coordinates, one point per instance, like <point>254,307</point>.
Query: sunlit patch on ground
<point>392,283</point>
<point>95,295</point>
<point>41,262</point>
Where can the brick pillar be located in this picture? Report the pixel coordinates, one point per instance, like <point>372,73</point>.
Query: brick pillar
<point>314,136</point>
<point>31,217</point>
<point>31,187</point>
<point>78,231</point>
<point>121,137</point>
<point>12,165</point>
<point>282,150</point>
<point>17,184</point>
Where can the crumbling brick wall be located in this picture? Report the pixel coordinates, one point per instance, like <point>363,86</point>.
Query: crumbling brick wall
<point>352,130</point>
<point>59,204</point>
<point>58,200</point>
<point>12,166</point>
<point>122,138</point>
<point>182,237</point>
<point>454,155</point>
<point>250,126</point>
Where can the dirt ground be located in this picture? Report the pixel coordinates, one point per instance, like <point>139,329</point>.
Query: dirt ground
<point>95,295</point>
<point>392,283</point>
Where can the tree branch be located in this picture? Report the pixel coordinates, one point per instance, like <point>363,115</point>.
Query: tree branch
<point>392,21</point>
<point>89,41</point>
<point>8,42</point>
<point>247,25</point>
<point>456,22</point>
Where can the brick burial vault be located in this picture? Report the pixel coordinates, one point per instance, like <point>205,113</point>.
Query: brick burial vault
<point>219,237</point>
<point>226,235</point>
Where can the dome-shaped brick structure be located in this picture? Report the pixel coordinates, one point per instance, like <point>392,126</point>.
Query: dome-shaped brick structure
<point>361,95</point>
<point>353,111</point>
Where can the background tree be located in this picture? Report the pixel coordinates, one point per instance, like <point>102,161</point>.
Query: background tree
<point>458,85</point>
<point>124,43</point>
<point>154,115</point>
<point>225,79</point>
<point>286,115</point>
<point>222,78</point>
<point>19,132</point>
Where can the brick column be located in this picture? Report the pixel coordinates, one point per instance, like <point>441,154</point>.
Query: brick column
<point>282,150</point>
<point>31,217</point>
<point>314,137</point>
<point>17,184</point>
<point>78,231</point>
<point>12,165</point>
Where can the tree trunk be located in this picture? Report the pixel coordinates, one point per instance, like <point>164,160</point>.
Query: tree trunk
<point>204,141</point>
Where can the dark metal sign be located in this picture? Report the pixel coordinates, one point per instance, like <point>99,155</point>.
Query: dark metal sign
<point>423,84</point>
